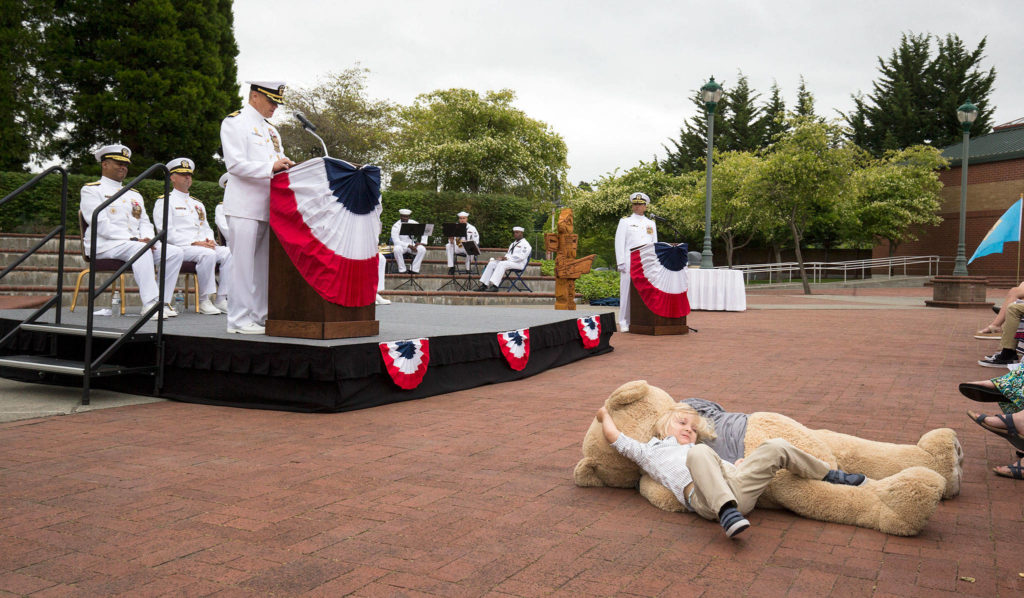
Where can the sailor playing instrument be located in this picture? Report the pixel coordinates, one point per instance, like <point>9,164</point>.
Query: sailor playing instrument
<point>406,244</point>
<point>633,231</point>
<point>454,245</point>
<point>123,228</point>
<point>189,230</point>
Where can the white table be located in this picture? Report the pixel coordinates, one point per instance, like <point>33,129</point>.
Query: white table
<point>716,290</point>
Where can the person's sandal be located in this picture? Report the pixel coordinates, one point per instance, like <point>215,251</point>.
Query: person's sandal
<point>1016,471</point>
<point>1009,432</point>
<point>988,333</point>
<point>982,394</point>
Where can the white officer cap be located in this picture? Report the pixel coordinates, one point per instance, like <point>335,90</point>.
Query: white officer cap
<point>463,214</point>
<point>639,198</point>
<point>405,212</point>
<point>181,166</point>
<point>118,152</point>
<point>272,89</point>
<point>223,182</point>
<point>517,229</point>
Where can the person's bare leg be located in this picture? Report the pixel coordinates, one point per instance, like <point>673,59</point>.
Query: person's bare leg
<point>1014,294</point>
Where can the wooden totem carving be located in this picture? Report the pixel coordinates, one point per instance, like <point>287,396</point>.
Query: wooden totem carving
<point>567,267</point>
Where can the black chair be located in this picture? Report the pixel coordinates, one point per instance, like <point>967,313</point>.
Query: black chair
<point>514,278</point>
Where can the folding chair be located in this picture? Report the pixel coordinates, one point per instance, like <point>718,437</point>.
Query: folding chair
<point>514,278</point>
<point>100,265</point>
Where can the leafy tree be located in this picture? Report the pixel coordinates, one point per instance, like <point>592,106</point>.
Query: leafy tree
<point>458,140</point>
<point>156,75</point>
<point>354,126</point>
<point>23,119</point>
<point>915,96</point>
<point>801,177</point>
<point>898,194</point>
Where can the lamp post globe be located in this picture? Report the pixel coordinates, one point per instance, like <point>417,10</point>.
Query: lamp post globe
<point>966,114</point>
<point>711,94</point>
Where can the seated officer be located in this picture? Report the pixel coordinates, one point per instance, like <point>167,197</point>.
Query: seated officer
<point>188,229</point>
<point>454,246</point>
<point>516,258</point>
<point>405,243</point>
<point>123,227</point>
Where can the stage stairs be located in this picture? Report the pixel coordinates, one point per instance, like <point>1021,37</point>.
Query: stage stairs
<point>69,349</point>
<point>36,276</point>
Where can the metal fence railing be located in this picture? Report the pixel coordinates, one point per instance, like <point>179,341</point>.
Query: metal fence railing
<point>853,269</point>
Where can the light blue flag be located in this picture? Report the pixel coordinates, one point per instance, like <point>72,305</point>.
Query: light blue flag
<point>1006,229</point>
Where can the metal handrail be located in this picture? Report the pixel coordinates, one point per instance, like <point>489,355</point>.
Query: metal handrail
<point>818,270</point>
<point>60,229</point>
<point>160,235</point>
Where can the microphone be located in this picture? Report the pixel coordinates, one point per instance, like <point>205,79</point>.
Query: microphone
<point>656,217</point>
<point>305,122</point>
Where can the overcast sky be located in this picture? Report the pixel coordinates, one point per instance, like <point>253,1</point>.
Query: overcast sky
<point>615,78</point>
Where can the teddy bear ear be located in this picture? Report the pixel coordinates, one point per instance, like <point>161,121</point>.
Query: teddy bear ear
<point>630,392</point>
<point>585,474</point>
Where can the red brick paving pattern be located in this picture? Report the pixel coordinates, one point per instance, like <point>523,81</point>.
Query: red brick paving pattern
<point>471,494</point>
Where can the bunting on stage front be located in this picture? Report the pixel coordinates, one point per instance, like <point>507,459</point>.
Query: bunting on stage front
<point>515,346</point>
<point>326,214</point>
<point>590,331</point>
<point>406,361</point>
<point>658,271</point>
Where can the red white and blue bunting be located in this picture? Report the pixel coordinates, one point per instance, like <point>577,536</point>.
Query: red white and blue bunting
<point>406,361</point>
<point>658,271</point>
<point>590,331</point>
<point>326,214</point>
<point>515,346</point>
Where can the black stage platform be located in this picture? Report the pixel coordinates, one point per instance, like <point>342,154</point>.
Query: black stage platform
<point>204,364</point>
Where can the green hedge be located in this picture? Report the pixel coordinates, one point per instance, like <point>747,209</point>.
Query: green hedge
<point>38,209</point>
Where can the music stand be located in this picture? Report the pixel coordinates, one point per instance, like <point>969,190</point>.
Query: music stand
<point>473,252</point>
<point>415,231</point>
<point>453,230</point>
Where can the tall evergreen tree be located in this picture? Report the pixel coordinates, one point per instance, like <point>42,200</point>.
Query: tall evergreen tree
<point>23,119</point>
<point>915,96</point>
<point>772,122</point>
<point>741,130</point>
<point>691,149</point>
<point>805,101</point>
<point>156,75</point>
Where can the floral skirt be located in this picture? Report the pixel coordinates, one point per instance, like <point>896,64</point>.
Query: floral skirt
<point>1012,388</point>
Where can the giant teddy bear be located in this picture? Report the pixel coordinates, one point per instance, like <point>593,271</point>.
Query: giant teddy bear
<point>905,486</point>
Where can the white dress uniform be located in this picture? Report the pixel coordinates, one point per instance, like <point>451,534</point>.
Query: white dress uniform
<point>452,249</point>
<point>516,258</point>
<point>116,225</point>
<point>404,243</point>
<point>251,146</point>
<point>188,225</point>
<point>633,231</point>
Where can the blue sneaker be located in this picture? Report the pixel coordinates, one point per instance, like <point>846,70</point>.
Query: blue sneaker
<point>732,522</point>
<point>837,476</point>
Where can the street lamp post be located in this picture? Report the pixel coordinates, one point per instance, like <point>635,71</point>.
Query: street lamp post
<point>711,93</point>
<point>966,114</point>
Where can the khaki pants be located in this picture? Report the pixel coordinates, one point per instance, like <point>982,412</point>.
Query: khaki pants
<point>1013,315</point>
<point>715,482</point>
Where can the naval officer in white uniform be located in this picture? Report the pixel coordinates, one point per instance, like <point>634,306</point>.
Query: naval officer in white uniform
<point>516,258</point>
<point>404,243</point>
<point>633,231</point>
<point>252,154</point>
<point>454,246</point>
<point>123,227</point>
<point>189,230</point>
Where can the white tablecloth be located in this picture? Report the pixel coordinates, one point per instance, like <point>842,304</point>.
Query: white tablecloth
<point>716,290</point>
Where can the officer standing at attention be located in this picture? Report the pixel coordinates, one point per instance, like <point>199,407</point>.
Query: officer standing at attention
<point>189,230</point>
<point>516,258</point>
<point>253,154</point>
<point>405,243</point>
<point>123,227</point>
<point>454,246</point>
<point>633,231</point>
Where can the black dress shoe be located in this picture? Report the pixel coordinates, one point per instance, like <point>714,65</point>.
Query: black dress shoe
<point>451,270</point>
<point>492,289</point>
<point>480,288</point>
<point>995,308</point>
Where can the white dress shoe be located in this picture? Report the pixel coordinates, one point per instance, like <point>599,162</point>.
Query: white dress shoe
<point>168,312</point>
<point>382,301</point>
<point>250,328</point>
<point>221,304</point>
<point>206,307</point>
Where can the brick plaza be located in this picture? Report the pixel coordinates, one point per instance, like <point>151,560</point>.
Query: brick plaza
<point>471,494</point>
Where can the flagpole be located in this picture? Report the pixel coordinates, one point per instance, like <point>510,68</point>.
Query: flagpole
<point>1019,241</point>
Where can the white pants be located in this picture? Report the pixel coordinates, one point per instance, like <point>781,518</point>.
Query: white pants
<point>381,264</point>
<point>206,265</point>
<point>144,268</point>
<point>451,251</point>
<point>495,271</point>
<point>400,250</point>
<point>250,240</point>
<point>624,296</point>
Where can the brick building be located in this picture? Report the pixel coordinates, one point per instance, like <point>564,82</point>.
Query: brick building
<point>995,179</point>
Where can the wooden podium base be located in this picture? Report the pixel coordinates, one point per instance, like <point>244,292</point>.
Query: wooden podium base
<point>644,321</point>
<point>295,310</point>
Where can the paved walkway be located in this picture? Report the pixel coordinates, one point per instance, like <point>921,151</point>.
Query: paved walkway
<point>471,494</point>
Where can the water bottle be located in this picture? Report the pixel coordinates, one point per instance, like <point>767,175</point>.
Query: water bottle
<point>115,305</point>
<point>179,302</point>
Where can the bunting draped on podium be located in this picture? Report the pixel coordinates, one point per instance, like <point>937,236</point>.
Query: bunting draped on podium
<point>658,271</point>
<point>326,214</point>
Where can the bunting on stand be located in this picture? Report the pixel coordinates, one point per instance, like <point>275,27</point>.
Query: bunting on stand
<point>658,271</point>
<point>326,214</point>
<point>406,361</point>
<point>590,331</point>
<point>515,346</point>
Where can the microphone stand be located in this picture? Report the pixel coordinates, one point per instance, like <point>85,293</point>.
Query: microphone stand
<point>668,224</point>
<point>311,129</point>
